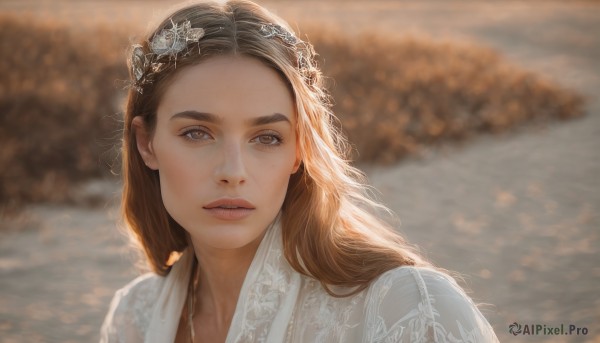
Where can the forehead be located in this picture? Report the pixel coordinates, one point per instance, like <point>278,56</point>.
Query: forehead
<point>228,86</point>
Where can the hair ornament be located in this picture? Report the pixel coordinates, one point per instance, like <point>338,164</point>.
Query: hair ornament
<point>168,42</point>
<point>139,62</point>
<point>272,30</point>
<point>174,40</point>
<point>302,50</point>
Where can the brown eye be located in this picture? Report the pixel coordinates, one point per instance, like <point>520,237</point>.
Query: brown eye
<point>196,135</point>
<point>269,140</point>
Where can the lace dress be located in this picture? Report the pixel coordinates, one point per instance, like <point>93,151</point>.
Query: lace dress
<point>277,304</point>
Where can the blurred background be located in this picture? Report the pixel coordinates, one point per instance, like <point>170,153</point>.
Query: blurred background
<point>477,121</point>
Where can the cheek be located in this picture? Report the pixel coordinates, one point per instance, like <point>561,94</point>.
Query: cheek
<point>180,177</point>
<point>272,176</point>
<point>173,174</point>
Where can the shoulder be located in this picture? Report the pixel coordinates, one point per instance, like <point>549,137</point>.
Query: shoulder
<point>131,308</point>
<point>423,302</point>
<point>410,287</point>
<point>143,284</point>
<point>418,281</point>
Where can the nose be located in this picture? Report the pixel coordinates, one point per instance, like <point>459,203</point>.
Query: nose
<point>231,169</point>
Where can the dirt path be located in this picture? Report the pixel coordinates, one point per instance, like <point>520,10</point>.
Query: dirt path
<point>516,214</point>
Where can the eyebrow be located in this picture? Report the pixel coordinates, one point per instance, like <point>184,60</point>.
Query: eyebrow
<point>211,118</point>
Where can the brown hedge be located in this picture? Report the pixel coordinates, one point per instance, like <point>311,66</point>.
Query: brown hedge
<point>61,91</point>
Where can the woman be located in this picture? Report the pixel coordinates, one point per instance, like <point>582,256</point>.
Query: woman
<point>256,227</point>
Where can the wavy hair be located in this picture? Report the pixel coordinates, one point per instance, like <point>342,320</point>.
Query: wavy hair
<point>330,224</point>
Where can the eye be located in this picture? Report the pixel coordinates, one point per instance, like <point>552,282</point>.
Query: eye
<point>196,134</point>
<point>270,139</point>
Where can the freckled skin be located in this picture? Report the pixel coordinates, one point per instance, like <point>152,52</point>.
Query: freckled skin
<point>200,162</point>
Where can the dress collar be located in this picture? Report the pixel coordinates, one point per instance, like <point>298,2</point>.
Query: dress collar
<point>265,304</point>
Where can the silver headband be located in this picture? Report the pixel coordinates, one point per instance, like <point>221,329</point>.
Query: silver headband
<point>168,42</point>
<point>171,42</point>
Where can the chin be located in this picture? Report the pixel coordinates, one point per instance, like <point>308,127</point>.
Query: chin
<point>229,237</point>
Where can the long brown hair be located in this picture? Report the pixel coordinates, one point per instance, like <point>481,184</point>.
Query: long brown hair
<point>330,224</point>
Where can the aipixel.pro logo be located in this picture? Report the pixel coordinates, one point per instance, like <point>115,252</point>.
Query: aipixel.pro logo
<point>547,330</point>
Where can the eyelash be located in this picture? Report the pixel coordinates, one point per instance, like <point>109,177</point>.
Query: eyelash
<point>278,142</point>
<point>185,134</point>
<point>271,134</point>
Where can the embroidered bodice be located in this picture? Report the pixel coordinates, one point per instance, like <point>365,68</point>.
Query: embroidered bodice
<point>277,304</point>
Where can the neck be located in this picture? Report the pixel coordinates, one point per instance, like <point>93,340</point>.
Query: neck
<point>221,275</point>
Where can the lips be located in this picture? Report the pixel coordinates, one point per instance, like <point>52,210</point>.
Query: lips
<point>230,203</point>
<point>230,209</point>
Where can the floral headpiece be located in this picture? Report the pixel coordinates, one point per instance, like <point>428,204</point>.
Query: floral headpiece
<point>171,42</point>
<point>168,42</point>
<point>303,50</point>
<point>271,30</point>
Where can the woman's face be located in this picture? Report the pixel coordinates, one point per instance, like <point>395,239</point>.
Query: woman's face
<point>225,130</point>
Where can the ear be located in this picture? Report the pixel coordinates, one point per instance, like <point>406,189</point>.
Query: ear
<point>143,140</point>
<point>298,162</point>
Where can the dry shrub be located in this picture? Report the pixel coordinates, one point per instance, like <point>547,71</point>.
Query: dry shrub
<point>394,95</point>
<point>57,107</point>
<point>59,121</point>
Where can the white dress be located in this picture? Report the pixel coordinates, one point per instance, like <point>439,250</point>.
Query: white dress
<point>277,304</point>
